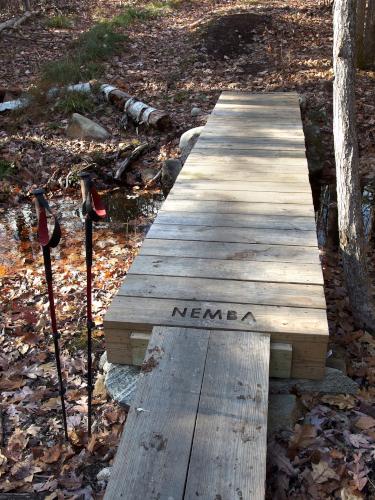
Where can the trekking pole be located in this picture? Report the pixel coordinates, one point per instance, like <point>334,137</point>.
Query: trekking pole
<point>93,210</point>
<point>47,242</point>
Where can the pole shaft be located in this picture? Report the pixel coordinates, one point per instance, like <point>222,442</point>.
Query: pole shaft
<point>88,238</point>
<point>55,335</point>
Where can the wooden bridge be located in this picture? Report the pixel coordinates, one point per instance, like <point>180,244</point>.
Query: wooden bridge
<point>230,276</point>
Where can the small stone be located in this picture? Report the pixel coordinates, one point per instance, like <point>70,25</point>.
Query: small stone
<point>104,474</point>
<point>283,412</point>
<point>81,127</point>
<point>170,170</point>
<point>334,382</point>
<point>196,112</point>
<point>120,382</point>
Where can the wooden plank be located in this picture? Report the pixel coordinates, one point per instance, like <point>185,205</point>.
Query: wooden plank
<point>268,197</point>
<point>172,287</point>
<point>233,234</point>
<point>235,220</point>
<point>308,360</point>
<point>228,457</point>
<point>282,163</point>
<point>129,313</point>
<point>267,156</point>
<point>230,251</point>
<point>241,185</point>
<point>265,133</point>
<point>244,143</point>
<point>236,207</point>
<point>197,173</point>
<point>154,451</point>
<point>271,272</point>
<point>281,360</point>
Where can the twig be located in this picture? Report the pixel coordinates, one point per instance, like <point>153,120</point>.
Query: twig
<point>154,179</point>
<point>134,156</point>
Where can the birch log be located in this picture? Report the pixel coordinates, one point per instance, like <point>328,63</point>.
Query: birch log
<point>351,227</point>
<point>139,112</point>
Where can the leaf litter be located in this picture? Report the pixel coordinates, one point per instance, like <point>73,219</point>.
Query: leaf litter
<point>330,451</point>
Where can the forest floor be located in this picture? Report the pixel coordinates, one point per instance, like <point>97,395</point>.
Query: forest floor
<point>174,55</point>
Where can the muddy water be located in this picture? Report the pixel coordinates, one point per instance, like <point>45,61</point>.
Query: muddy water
<point>326,213</point>
<point>127,213</point>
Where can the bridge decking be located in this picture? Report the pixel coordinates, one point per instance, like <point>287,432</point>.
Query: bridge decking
<point>234,245</point>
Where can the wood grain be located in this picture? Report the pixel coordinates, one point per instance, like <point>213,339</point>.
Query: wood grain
<point>236,220</point>
<point>154,451</point>
<point>272,272</point>
<point>241,185</point>
<point>230,251</point>
<point>228,457</point>
<point>137,313</point>
<point>245,292</point>
<point>269,197</point>
<point>231,207</point>
<point>233,234</point>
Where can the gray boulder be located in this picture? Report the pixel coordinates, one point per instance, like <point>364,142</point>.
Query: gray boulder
<point>104,474</point>
<point>190,136</point>
<point>120,382</point>
<point>334,382</point>
<point>169,172</point>
<point>81,127</point>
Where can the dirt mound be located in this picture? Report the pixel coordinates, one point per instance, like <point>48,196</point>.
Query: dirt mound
<point>229,35</point>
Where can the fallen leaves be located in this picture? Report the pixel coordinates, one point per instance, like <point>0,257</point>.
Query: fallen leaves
<point>342,401</point>
<point>322,472</point>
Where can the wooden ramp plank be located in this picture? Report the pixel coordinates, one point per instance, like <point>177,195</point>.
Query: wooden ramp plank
<point>233,234</point>
<point>245,292</point>
<point>230,251</point>
<point>154,451</point>
<point>276,272</point>
<point>228,458</point>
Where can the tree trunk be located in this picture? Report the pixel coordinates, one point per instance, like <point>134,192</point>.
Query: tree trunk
<point>351,228</point>
<point>26,4</point>
<point>360,31</point>
<point>369,49</point>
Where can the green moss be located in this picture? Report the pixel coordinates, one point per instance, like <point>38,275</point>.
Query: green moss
<point>76,102</point>
<point>84,62</point>
<point>5,168</point>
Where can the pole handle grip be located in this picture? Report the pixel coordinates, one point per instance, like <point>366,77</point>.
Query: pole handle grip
<point>42,209</point>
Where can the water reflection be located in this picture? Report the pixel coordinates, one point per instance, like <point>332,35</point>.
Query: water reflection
<point>326,214</point>
<point>127,213</point>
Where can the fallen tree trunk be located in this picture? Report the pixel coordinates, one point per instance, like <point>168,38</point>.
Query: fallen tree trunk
<point>139,112</point>
<point>16,21</point>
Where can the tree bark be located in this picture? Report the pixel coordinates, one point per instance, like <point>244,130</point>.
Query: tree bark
<point>26,4</point>
<point>351,227</point>
<point>360,32</point>
<point>369,48</point>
